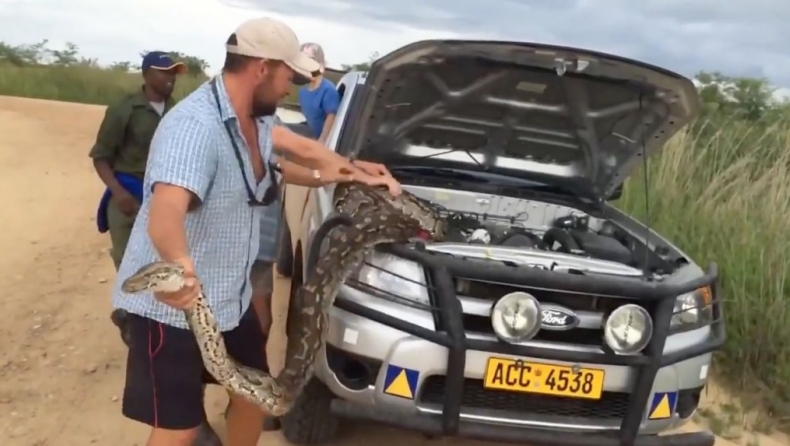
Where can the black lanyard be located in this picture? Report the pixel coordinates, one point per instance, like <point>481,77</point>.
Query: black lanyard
<point>273,191</point>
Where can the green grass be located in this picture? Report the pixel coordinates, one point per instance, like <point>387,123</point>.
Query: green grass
<point>720,191</point>
<point>91,85</point>
<point>78,84</point>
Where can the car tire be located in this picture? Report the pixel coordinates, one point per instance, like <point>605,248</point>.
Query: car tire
<point>285,253</point>
<point>309,422</point>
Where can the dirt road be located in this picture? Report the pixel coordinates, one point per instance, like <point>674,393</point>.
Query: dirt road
<point>61,361</point>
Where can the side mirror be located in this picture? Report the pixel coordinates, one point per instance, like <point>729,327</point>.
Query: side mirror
<point>616,194</point>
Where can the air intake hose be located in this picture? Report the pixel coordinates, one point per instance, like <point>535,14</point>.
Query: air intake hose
<point>561,236</point>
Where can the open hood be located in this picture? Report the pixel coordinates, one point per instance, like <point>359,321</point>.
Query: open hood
<point>572,118</point>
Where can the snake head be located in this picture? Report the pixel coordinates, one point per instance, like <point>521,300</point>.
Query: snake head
<point>155,276</point>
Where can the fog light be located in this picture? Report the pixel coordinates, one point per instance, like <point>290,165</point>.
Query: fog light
<point>628,329</point>
<point>516,317</point>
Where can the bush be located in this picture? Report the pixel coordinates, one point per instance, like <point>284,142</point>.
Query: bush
<point>721,192</point>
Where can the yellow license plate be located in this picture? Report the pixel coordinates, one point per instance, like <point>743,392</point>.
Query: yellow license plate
<point>545,379</point>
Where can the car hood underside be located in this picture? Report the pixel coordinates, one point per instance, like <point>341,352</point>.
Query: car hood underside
<point>564,116</point>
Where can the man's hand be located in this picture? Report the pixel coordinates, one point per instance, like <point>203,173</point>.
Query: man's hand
<point>375,169</point>
<point>311,154</point>
<point>128,205</point>
<point>185,297</point>
<point>382,176</point>
<point>339,173</point>
<point>335,174</point>
<point>371,180</point>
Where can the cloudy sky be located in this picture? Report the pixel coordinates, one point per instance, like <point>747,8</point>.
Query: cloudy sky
<point>737,37</point>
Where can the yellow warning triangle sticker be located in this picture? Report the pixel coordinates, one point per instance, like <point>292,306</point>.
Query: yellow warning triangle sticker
<point>662,409</point>
<point>400,386</point>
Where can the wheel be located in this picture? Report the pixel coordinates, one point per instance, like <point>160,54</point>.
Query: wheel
<point>309,421</point>
<point>285,253</point>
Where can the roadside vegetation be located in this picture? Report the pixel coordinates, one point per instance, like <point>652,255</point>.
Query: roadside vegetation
<point>36,71</point>
<point>720,191</point>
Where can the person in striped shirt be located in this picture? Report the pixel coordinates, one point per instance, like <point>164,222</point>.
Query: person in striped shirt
<point>209,178</point>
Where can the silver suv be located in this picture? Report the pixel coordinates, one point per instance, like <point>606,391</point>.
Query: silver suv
<point>547,316</point>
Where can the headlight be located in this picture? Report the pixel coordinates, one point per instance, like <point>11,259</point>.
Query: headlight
<point>628,329</point>
<point>394,276</point>
<point>516,317</point>
<point>692,310</point>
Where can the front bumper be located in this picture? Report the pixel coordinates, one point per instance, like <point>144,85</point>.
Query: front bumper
<point>639,376</point>
<point>499,418</point>
<point>436,425</point>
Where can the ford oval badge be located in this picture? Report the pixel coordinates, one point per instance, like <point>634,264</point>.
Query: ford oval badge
<point>557,318</point>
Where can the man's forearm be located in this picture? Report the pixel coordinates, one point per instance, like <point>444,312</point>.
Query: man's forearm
<point>329,157</point>
<point>166,230</point>
<point>308,163</point>
<point>305,151</point>
<point>315,155</point>
<point>298,175</point>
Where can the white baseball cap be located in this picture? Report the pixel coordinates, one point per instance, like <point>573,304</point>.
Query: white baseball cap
<point>315,52</point>
<point>267,38</point>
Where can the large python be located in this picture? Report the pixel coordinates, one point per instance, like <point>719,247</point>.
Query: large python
<point>373,217</point>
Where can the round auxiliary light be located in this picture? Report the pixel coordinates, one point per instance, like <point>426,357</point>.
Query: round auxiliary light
<point>516,317</point>
<point>628,329</point>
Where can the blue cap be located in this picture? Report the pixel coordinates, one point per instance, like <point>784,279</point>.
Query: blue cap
<point>159,60</point>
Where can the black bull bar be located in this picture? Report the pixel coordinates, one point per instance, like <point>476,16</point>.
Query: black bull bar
<point>443,268</point>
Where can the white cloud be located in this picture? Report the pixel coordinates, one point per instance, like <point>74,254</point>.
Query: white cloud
<point>120,31</point>
<point>782,94</point>
<point>738,37</point>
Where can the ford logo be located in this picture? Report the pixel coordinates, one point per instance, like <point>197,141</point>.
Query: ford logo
<point>557,318</point>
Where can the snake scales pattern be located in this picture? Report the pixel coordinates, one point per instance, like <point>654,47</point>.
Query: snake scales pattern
<point>375,217</point>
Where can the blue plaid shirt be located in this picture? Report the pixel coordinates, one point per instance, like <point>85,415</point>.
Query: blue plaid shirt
<point>192,149</point>
<point>270,217</point>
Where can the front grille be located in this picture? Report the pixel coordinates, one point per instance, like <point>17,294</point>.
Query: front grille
<point>580,336</point>
<point>611,406</point>
<point>572,301</point>
<point>585,336</point>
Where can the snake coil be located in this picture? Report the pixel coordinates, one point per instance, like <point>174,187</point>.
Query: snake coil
<point>367,217</point>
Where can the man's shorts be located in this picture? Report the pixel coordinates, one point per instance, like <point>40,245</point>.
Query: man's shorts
<point>165,373</point>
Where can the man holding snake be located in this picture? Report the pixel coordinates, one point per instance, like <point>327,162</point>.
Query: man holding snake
<point>208,178</point>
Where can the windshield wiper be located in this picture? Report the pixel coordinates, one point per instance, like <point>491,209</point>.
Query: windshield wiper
<point>551,189</point>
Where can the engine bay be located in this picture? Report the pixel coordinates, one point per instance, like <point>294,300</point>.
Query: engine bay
<point>543,228</point>
<point>570,235</point>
